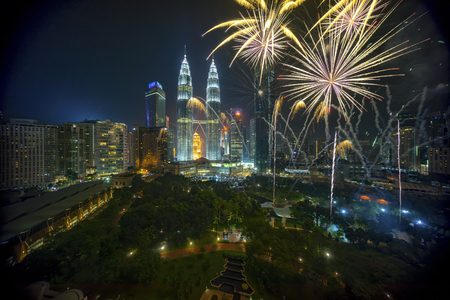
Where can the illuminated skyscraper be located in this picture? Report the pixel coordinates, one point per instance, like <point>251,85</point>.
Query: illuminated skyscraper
<point>185,129</point>
<point>263,117</point>
<point>213,151</point>
<point>155,104</point>
<point>236,136</point>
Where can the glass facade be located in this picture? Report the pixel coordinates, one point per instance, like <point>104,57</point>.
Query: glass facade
<point>263,117</point>
<point>155,104</point>
<point>213,151</point>
<point>236,136</point>
<point>185,115</point>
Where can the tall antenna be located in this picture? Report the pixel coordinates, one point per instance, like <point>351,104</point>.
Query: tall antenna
<point>184,50</point>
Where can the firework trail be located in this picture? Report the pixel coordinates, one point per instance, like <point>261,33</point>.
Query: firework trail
<point>332,173</point>
<point>276,111</point>
<point>261,36</point>
<point>342,64</point>
<point>399,173</point>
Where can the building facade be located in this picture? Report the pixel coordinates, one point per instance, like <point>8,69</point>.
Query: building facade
<point>438,161</point>
<point>153,148</point>
<point>197,146</point>
<point>263,117</point>
<point>213,151</point>
<point>236,136</point>
<point>155,104</point>
<point>22,154</point>
<point>185,114</point>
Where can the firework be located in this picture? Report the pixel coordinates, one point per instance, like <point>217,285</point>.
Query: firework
<point>196,104</point>
<point>261,37</point>
<point>297,106</point>
<point>224,120</point>
<point>353,16</point>
<point>342,66</point>
<point>276,111</point>
<point>343,147</point>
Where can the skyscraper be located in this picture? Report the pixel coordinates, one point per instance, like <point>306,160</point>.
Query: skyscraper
<point>155,104</point>
<point>252,139</point>
<point>153,147</point>
<point>263,116</point>
<point>213,151</point>
<point>22,154</point>
<point>185,115</point>
<point>236,136</point>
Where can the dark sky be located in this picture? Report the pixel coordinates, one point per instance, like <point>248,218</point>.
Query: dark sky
<point>70,60</point>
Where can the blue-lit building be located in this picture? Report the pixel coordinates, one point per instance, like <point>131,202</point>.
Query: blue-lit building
<point>213,151</point>
<point>155,104</point>
<point>185,115</point>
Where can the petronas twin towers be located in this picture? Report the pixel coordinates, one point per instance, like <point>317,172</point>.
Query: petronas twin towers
<point>185,114</point>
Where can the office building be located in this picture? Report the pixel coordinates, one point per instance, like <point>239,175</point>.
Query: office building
<point>24,152</point>
<point>153,148</point>
<point>213,151</point>
<point>263,117</point>
<point>155,104</point>
<point>185,114</point>
<point>236,136</point>
<point>252,139</point>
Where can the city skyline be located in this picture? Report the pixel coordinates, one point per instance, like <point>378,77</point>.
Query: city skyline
<point>108,77</point>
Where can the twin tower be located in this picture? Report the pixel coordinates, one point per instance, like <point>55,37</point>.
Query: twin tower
<point>185,114</point>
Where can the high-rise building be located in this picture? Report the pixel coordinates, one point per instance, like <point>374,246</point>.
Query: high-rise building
<point>22,154</point>
<point>213,151</point>
<point>50,152</point>
<point>72,152</point>
<point>130,149</point>
<point>263,117</point>
<point>197,146</point>
<point>439,160</point>
<point>155,104</point>
<point>252,139</point>
<point>245,142</point>
<point>319,146</point>
<point>185,114</point>
<point>236,136</point>
<point>153,147</point>
<point>224,141</point>
<point>409,156</point>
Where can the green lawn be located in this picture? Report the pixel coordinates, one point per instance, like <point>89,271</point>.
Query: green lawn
<point>208,238</point>
<point>186,269</point>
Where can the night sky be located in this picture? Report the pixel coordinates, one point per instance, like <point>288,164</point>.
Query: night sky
<point>66,61</point>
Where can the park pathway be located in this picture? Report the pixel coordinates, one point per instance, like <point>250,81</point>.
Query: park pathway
<point>196,250</point>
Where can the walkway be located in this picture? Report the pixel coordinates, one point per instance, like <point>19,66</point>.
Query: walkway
<point>196,250</point>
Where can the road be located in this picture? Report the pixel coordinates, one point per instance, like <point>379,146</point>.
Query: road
<point>196,250</point>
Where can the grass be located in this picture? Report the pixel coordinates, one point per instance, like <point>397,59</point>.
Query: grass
<point>187,269</point>
<point>208,238</point>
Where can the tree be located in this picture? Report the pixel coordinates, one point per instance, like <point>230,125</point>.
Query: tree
<point>308,224</point>
<point>202,249</point>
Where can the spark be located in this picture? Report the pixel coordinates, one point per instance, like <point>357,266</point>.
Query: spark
<point>297,106</point>
<point>353,16</point>
<point>224,120</point>
<point>343,147</point>
<point>261,37</point>
<point>342,66</point>
<point>196,104</point>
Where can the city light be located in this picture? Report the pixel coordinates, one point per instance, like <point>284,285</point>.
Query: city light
<point>383,209</point>
<point>343,211</point>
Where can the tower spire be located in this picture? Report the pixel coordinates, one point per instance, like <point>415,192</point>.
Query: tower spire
<point>184,50</point>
